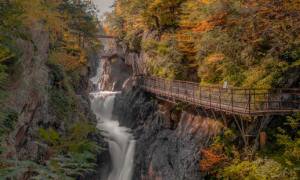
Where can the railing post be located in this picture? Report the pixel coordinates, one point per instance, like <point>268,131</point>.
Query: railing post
<point>280,100</point>
<point>210,97</point>
<point>154,83</point>
<point>246,105</point>
<point>164,85</point>
<point>193,100</point>
<point>249,100</point>
<point>178,94</point>
<point>220,100</point>
<point>231,100</point>
<point>184,91</point>
<point>268,100</point>
<point>254,99</point>
<point>200,95</point>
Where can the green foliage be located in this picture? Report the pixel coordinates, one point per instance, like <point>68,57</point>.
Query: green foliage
<point>163,14</point>
<point>75,153</point>
<point>165,59</point>
<point>85,14</point>
<point>281,158</point>
<point>289,141</point>
<point>66,167</point>
<point>9,30</point>
<point>8,120</point>
<point>292,54</point>
<point>78,142</point>
<point>50,136</point>
<point>62,104</point>
<point>62,95</point>
<point>260,169</point>
<point>14,168</point>
<point>225,141</point>
<point>73,165</point>
<point>10,23</point>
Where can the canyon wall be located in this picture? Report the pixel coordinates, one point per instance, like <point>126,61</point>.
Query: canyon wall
<point>169,141</point>
<point>36,98</point>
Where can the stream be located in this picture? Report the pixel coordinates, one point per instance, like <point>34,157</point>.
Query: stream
<point>121,141</point>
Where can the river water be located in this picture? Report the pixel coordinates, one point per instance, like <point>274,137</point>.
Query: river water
<point>120,140</point>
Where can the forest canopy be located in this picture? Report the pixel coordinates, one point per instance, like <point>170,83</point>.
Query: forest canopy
<point>247,43</point>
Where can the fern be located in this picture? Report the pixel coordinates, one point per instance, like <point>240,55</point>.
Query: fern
<point>75,164</point>
<point>13,168</point>
<point>50,136</point>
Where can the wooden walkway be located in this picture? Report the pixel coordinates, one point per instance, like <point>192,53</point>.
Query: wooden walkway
<point>250,102</point>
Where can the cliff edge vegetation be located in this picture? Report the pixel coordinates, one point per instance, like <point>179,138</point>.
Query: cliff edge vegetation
<point>246,43</point>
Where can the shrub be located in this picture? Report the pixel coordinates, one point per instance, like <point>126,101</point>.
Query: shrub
<point>50,136</point>
<point>210,160</point>
<point>259,169</point>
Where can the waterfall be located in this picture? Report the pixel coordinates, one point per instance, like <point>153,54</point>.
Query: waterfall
<point>120,140</point>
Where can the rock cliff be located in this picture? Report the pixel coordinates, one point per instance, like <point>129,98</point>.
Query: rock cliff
<point>169,140</point>
<point>36,97</point>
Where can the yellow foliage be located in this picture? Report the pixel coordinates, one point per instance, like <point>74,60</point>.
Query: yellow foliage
<point>207,1</point>
<point>71,54</point>
<point>134,23</point>
<point>69,62</point>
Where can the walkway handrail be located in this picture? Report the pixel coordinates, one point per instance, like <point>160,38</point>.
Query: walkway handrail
<point>253,102</point>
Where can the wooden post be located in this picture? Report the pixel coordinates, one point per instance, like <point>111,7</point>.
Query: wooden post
<point>262,139</point>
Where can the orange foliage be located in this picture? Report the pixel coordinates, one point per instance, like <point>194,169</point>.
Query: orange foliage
<point>209,24</point>
<point>210,160</point>
<point>106,28</point>
<point>214,58</point>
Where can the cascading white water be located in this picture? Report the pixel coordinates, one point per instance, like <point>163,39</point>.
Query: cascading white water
<point>120,140</point>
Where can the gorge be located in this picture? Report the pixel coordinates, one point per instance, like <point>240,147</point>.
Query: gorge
<point>154,90</point>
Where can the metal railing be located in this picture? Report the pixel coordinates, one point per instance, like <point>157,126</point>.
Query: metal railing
<point>253,102</point>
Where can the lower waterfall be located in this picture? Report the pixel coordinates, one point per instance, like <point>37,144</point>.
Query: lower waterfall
<point>121,141</point>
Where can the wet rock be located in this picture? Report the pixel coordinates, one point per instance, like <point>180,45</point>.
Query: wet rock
<point>163,152</point>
